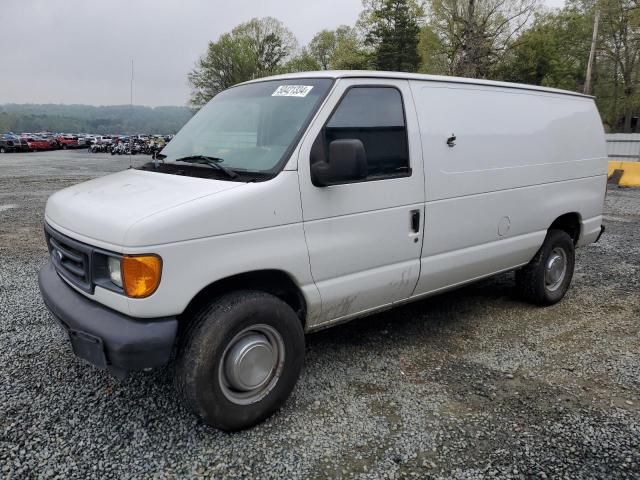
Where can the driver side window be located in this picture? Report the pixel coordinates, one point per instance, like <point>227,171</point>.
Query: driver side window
<point>375,116</point>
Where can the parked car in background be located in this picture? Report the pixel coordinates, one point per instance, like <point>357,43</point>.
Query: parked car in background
<point>49,137</point>
<point>37,144</point>
<point>24,145</point>
<point>53,142</point>
<point>9,144</point>
<point>67,141</point>
<point>100,140</point>
<point>83,141</point>
<point>29,141</point>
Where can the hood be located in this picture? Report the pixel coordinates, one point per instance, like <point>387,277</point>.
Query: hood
<point>105,208</point>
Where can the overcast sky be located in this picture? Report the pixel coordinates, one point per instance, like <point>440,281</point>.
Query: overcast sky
<point>77,51</point>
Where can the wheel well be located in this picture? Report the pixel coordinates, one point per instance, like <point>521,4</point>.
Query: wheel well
<point>570,223</point>
<point>275,282</point>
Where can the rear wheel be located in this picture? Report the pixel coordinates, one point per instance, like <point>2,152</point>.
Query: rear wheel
<point>239,359</point>
<point>546,279</point>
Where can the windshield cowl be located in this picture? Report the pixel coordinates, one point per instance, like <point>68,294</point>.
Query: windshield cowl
<point>202,171</point>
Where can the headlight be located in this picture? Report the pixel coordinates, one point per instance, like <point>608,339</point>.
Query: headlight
<point>115,272</point>
<point>137,276</point>
<point>140,275</point>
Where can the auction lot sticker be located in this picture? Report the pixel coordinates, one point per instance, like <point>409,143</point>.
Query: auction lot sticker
<point>292,91</point>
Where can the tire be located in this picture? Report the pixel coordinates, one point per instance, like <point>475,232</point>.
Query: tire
<point>201,374</point>
<point>64,147</point>
<point>544,281</point>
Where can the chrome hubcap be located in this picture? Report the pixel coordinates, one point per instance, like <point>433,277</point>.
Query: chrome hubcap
<point>556,269</point>
<point>251,364</point>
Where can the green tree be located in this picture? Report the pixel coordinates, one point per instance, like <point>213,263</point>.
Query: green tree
<point>339,49</point>
<point>253,49</point>
<point>303,62</point>
<point>433,59</point>
<point>349,53</point>
<point>474,34</point>
<point>391,30</point>
<point>620,47</point>
<point>322,47</point>
<point>553,52</point>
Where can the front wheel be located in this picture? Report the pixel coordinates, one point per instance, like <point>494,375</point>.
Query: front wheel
<point>239,359</point>
<point>546,279</point>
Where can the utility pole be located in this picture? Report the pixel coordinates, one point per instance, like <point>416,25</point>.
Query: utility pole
<point>131,113</point>
<point>592,53</point>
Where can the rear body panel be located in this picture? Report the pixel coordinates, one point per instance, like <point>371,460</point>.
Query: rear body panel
<point>521,159</point>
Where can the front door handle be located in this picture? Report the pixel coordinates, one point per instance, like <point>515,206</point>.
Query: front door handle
<point>415,221</point>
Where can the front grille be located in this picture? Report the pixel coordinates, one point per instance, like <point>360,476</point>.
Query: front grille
<point>71,259</point>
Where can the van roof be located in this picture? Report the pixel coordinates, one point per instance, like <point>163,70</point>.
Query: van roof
<point>416,76</point>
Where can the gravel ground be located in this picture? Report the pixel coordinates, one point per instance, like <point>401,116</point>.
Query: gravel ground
<point>470,384</point>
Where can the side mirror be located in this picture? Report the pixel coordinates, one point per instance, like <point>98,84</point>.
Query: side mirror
<point>347,163</point>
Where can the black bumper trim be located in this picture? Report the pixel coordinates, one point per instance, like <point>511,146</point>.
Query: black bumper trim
<point>125,342</point>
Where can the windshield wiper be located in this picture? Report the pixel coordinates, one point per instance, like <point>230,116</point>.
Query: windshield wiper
<point>213,162</point>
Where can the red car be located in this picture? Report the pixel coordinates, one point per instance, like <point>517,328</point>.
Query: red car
<point>37,144</point>
<point>67,141</point>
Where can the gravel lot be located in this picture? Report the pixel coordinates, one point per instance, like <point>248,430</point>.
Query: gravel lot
<point>470,384</point>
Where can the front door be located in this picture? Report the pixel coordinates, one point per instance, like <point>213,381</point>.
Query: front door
<point>365,238</point>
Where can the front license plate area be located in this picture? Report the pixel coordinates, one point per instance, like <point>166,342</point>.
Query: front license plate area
<point>88,348</point>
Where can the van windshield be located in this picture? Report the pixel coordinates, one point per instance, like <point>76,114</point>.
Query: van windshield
<point>251,127</point>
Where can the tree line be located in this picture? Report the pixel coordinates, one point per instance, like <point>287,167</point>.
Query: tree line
<point>117,119</point>
<point>511,40</point>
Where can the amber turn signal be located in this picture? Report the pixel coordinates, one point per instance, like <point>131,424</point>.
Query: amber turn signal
<point>140,275</point>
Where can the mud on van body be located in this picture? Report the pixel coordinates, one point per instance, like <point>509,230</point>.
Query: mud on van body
<point>292,203</point>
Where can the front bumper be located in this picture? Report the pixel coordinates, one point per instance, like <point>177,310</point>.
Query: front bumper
<point>104,337</point>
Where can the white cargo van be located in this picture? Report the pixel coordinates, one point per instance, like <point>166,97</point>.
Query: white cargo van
<point>292,203</point>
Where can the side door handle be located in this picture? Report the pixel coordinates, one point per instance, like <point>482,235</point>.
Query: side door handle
<point>415,221</point>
